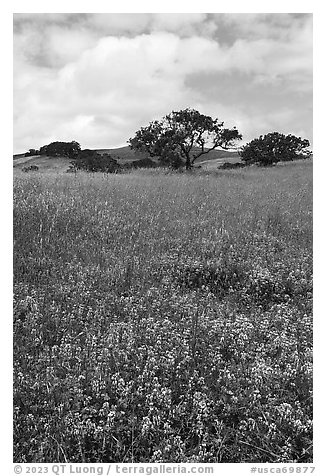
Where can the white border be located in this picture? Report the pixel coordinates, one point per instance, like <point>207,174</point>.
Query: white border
<point>319,179</point>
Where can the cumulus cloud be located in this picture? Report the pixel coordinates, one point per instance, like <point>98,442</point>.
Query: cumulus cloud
<point>97,78</point>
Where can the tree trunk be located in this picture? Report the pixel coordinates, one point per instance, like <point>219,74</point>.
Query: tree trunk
<point>188,162</point>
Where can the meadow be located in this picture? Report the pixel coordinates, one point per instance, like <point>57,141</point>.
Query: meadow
<point>163,317</point>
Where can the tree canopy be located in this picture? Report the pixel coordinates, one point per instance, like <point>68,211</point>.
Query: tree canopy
<point>61,149</point>
<point>275,147</point>
<point>181,137</point>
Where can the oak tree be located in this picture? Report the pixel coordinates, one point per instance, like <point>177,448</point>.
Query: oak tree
<point>181,137</point>
<point>275,147</point>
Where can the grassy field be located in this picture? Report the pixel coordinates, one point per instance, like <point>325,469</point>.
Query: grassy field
<point>163,317</point>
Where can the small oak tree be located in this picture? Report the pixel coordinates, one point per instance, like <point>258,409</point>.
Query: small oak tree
<point>61,149</point>
<point>181,137</point>
<point>275,147</point>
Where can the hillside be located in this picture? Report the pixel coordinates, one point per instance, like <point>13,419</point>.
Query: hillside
<point>43,162</point>
<point>123,155</point>
<point>18,156</point>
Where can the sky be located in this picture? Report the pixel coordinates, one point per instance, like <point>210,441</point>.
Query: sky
<point>97,78</point>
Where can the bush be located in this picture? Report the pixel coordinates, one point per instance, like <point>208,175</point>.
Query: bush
<point>92,161</point>
<point>141,163</point>
<point>32,152</point>
<point>229,165</point>
<point>275,147</point>
<point>31,168</point>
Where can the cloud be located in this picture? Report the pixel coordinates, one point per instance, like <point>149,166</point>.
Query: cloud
<point>280,26</point>
<point>100,78</point>
<point>116,24</point>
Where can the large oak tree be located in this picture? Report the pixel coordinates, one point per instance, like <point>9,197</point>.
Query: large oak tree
<point>181,137</point>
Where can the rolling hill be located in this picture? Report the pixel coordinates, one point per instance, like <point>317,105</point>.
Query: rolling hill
<point>123,155</point>
<point>43,162</point>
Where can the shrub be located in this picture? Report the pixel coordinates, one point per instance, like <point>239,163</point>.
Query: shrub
<point>92,161</point>
<point>229,165</point>
<point>32,152</point>
<point>31,168</point>
<point>141,163</point>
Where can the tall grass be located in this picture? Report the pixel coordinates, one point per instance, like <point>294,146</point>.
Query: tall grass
<point>164,317</point>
